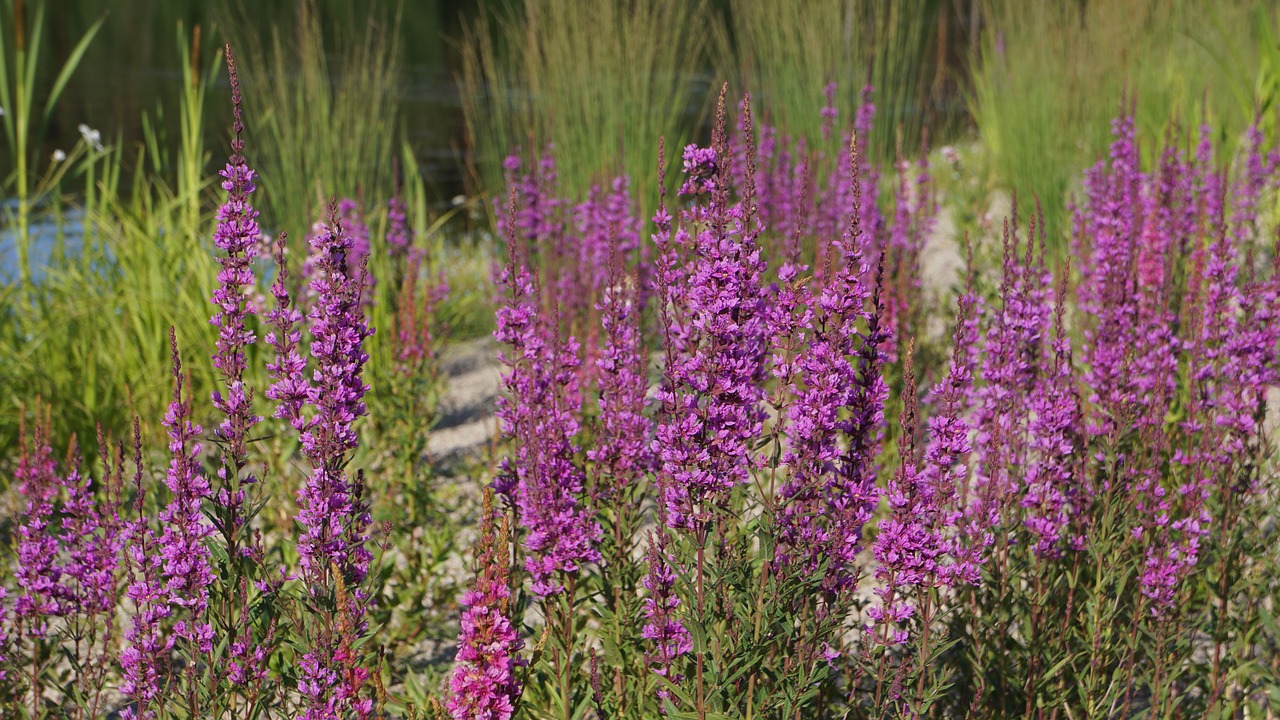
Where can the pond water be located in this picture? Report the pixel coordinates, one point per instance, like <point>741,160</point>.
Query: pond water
<point>132,68</point>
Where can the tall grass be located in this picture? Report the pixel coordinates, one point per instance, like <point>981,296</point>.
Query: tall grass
<point>1044,67</point>
<point>323,114</point>
<point>88,336</point>
<point>786,53</point>
<point>25,120</point>
<point>601,81</point>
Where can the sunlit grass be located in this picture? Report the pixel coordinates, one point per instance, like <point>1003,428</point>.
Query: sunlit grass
<point>601,81</point>
<point>1049,77</point>
<point>786,53</point>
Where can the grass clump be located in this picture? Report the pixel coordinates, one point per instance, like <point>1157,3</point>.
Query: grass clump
<point>1044,67</point>
<point>600,81</point>
<point>788,53</point>
<point>325,116</point>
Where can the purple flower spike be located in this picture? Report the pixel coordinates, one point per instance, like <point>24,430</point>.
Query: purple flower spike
<point>187,561</point>
<point>830,495</point>
<point>483,685</point>
<point>237,233</point>
<point>712,398</point>
<point>624,449</point>
<point>669,637</point>
<point>540,412</point>
<point>333,546</point>
<point>289,388</point>
<point>327,506</point>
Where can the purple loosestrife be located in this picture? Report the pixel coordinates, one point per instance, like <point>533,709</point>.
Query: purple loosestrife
<point>829,111</point>
<point>1055,489</point>
<point>668,637</point>
<point>6,640</point>
<point>713,392</point>
<point>349,218</point>
<point>539,217</point>
<point>66,551</point>
<point>919,546</point>
<point>327,504</point>
<point>1130,381</point>
<point>399,234</point>
<point>287,369</point>
<point>539,412</point>
<point>605,223</point>
<point>830,496</point>
<point>187,561</point>
<point>623,452</point>
<point>907,548</point>
<point>1013,345</point>
<point>37,571</point>
<point>483,685</point>
<point>1248,188</point>
<point>144,661</point>
<point>237,234</point>
<point>333,545</point>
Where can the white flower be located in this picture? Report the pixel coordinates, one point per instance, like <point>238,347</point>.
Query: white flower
<point>949,154</point>
<point>59,156</point>
<point>92,137</point>
<point>458,200</point>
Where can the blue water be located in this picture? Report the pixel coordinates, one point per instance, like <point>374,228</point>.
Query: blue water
<point>50,240</point>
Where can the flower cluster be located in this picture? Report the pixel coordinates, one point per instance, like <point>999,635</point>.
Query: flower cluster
<point>483,685</point>
<point>713,390</point>
<point>540,413</point>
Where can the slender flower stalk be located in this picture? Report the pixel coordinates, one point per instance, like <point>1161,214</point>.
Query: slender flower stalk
<point>826,501</point>
<point>145,657</point>
<point>290,388</point>
<point>540,412</point>
<point>236,234</point>
<point>484,684</point>
<point>623,452</point>
<point>715,390</point>
<point>187,569</point>
<point>332,547</point>
<point>667,635</point>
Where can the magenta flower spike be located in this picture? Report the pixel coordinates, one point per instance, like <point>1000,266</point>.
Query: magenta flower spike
<point>831,493</point>
<point>713,394</point>
<point>483,685</point>
<point>623,451</point>
<point>540,412</point>
<point>187,569</point>
<point>237,234</point>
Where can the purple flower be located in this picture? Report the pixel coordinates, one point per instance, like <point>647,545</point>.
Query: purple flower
<point>1013,347</point>
<point>327,506</point>
<point>835,380</point>
<point>186,567</point>
<point>920,545</point>
<point>483,685</point>
<point>37,571</point>
<point>145,657</point>
<point>713,391</point>
<point>237,233</point>
<point>623,453</point>
<point>829,111</point>
<point>290,388</point>
<point>668,637</point>
<point>540,413</point>
<point>399,234</point>
<point>331,511</point>
<point>349,222</point>
<point>1055,490</point>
